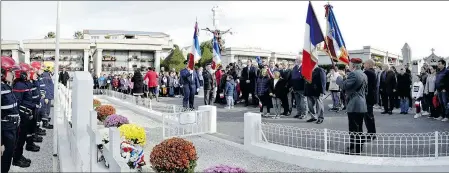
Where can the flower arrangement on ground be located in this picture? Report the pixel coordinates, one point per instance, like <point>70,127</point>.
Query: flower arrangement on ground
<point>115,120</point>
<point>104,111</point>
<point>133,133</point>
<point>133,154</point>
<point>224,169</point>
<point>96,103</point>
<point>174,155</point>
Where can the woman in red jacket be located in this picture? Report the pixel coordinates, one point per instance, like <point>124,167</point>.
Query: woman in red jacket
<point>152,79</point>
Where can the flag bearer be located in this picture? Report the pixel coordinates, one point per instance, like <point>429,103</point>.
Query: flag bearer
<point>22,91</point>
<point>47,80</point>
<point>10,114</point>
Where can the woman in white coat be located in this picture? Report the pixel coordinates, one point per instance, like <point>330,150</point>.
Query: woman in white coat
<point>334,89</point>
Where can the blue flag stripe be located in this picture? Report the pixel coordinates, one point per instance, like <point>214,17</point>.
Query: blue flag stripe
<point>316,35</point>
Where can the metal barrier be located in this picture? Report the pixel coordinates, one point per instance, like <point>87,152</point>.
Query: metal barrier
<point>176,121</point>
<point>432,144</point>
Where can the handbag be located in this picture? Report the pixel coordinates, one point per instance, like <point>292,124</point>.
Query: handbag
<point>435,102</point>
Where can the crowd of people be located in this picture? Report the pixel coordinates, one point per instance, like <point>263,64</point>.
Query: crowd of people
<point>356,89</point>
<point>27,91</point>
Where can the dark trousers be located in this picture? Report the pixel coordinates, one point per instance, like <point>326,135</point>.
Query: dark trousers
<point>284,102</point>
<point>208,96</point>
<point>424,104</point>
<point>189,96</point>
<point>369,121</point>
<point>21,137</point>
<point>355,122</point>
<point>245,95</point>
<point>432,110</point>
<point>9,136</point>
<point>266,102</point>
<point>388,102</point>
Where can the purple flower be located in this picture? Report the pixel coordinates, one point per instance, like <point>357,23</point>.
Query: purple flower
<point>224,168</point>
<point>115,120</point>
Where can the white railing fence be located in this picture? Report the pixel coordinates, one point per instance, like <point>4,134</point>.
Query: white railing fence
<point>396,152</point>
<point>176,121</point>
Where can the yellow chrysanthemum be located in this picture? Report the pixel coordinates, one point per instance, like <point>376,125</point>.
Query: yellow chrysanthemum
<point>133,132</point>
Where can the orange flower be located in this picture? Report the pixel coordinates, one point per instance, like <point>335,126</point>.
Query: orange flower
<point>174,155</point>
<point>104,111</point>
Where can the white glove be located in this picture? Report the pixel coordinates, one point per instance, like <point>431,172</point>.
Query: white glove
<point>197,90</point>
<point>215,89</point>
<point>3,149</point>
<point>46,101</point>
<point>30,117</point>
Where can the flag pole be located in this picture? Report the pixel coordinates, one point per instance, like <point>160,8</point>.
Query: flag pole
<point>325,39</point>
<point>56,110</point>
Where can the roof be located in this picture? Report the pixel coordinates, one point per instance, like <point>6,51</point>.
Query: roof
<point>94,32</point>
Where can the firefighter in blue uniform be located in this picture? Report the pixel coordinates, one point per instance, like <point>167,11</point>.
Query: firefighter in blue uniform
<point>39,93</point>
<point>46,106</point>
<point>10,113</point>
<point>22,91</point>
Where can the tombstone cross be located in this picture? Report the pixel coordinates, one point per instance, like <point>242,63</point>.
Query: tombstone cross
<point>433,50</point>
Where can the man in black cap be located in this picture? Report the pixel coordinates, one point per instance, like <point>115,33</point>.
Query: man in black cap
<point>190,84</point>
<point>210,84</point>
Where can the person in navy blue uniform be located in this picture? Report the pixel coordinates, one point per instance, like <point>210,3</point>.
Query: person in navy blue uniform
<point>22,91</point>
<point>10,114</point>
<point>46,105</point>
<point>190,84</point>
<point>37,98</point>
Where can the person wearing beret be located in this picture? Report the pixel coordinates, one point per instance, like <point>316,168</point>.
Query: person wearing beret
<point>190,85</point>
<point>210,84</point>
<point>355,85</point>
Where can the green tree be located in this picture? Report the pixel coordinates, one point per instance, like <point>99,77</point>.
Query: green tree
<point>50,34</point>
<point>78,35</point>
<point>206,53</point>
<point>176,60</point>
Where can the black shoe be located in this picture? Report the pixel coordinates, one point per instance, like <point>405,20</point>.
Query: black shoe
<point>390,113</point>
<point>320,121</point>
<point>24,158</point>
<point>21,163</point>
<point>370,138</point>
<point>384,112</point>
<point>36,138</point>
<point>48,126</point>
<point>32,148</point>
<point>311,120</point>
<point>41,132</point>
<point>352,151</point>
<point>297,116</point>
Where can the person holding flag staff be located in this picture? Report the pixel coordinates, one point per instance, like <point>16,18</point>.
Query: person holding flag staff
<point>189,82</point>
<point>10,114</point>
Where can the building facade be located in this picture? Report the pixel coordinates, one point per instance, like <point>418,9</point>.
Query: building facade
<point>12,49</point>
<point>379,56</point>
<point>103,51</point>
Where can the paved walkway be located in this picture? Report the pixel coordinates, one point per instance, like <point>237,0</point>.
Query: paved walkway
<point>43,160</point>
<point>210,151</point>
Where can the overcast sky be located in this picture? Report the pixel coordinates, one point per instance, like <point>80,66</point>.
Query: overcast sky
<point>276,26</point>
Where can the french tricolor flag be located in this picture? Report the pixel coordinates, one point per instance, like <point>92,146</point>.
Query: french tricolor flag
<point>313,36</point>
<point>196,50</point>
<point>216,60</point>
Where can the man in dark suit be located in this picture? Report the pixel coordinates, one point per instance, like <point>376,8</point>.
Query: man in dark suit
<point>314,92</point>
<point>190,84</point>
<point>370,98</point>
<point>248,82</point>
<point>210,84</point>
<point>286,75</point>
<point>387,88</point>
<point>63,77</point>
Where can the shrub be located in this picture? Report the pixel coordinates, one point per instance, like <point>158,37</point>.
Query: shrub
<point>133,133</point>
<point>115,120</point>
<point>96,103</point>
<point>224,168</point>
<point>174,155</point>
<point>104,111</point>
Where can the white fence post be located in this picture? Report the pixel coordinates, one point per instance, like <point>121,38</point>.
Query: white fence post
<point>82,100</point>
<point>116,162</point>
<point>211,117</point>
<point>252,132</point>
<point>93,134</point>
<point>325,140</point>
<point>436,144</point>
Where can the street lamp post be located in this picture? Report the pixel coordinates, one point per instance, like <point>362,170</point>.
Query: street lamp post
<point>56,110</point>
